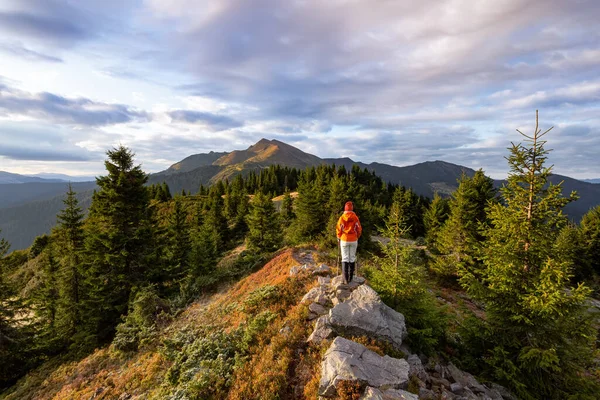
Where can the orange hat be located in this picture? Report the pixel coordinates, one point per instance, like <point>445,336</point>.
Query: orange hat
<point>348,206</point>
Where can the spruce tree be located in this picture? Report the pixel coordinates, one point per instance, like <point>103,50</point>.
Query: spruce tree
<point>539,335</point>
<point>590,236</point>
<point>46,302</point>
<point>179,242</point>
<point>204,251</point>
<point>461,235</point>
<point>310,211</point>
<point>240,226</point>
<point>117,244</point>
<point>264,231</point>
<point>287,209</point>
<point>69,245</point>
<point>215,219</point>
<point>434,219</point>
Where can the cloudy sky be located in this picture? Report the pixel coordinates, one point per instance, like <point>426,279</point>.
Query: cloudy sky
<point>391,81</point>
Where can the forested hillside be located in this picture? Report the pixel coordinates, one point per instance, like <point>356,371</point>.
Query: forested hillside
<point>139,297</point>
<point>188,175</point>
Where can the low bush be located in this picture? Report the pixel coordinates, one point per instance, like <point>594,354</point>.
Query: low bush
<point>147,316</point>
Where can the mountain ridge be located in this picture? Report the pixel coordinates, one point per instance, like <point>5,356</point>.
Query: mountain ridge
<point>7,178</point>
<point>426,178</point>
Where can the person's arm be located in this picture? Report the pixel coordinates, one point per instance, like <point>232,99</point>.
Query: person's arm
<point>338,228</point>
<point>358,228</point>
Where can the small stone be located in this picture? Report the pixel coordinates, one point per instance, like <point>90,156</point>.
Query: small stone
<point>317,309</point>
<point>372,393</point>
<point>285,331</point>
<point>324,280</point>
<point>343,294</point>
<point>312,294</point>
<point>457,388</point>
<point>426,394</point>
<point>336,281</point>
<point>323,300</point>
<point>447,395</point>
<point>321,270</point>
<point>416,367</point>
<point>440,382</point>
<point>295,270</point>
<point>321,332</point>
<point>312,316</point>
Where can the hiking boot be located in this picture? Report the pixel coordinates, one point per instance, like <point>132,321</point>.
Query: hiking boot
<point>345,268</point>
<point>351,271</point>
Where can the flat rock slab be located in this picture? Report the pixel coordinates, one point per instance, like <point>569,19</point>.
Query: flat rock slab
<point>390,394</point>
<point>365,314</point>
<point>346,360</point>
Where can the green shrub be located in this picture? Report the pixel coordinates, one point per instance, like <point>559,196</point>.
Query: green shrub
<point>203,361</point>
<point>148,314</point>
<point>261,298</point>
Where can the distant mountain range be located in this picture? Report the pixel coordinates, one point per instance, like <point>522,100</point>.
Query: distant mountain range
<point>10,178</point>
<point>63,177</point>
<point>596,180</point>
<point>29,209</point>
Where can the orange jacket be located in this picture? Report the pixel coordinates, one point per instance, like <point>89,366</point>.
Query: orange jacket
<point>348,227</point>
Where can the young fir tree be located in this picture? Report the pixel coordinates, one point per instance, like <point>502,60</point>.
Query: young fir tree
<point>179,242</point>
<point>240,226</point>
<point>590,236</point>
<point>400,279</point>
<point>460,235</point>
<point>264,231</point>
<point>434,218</point>
<point>69,244</point>
<point>286,214</point>
<point>117,243</point>
<point>215,219</point>
<point>311,216</point>
<point>539,335</point>
<point>204,251</point>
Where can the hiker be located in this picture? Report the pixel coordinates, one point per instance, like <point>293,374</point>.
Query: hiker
<point>348,231</point>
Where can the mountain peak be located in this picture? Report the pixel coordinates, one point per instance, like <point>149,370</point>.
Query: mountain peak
<point>268,152</point>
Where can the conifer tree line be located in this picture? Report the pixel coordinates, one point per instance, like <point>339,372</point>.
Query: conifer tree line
<point>141,243</point>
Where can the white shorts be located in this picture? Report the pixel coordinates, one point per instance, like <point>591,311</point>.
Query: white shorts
<point>348,251</point>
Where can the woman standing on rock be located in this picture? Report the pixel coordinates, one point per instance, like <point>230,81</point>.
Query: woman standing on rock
<point>348,231</point>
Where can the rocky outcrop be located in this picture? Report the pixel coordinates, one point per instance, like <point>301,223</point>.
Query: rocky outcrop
<point>365,314</point>
<point>346,360</point>
<point>355,309</point>
<point>437,381</point>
